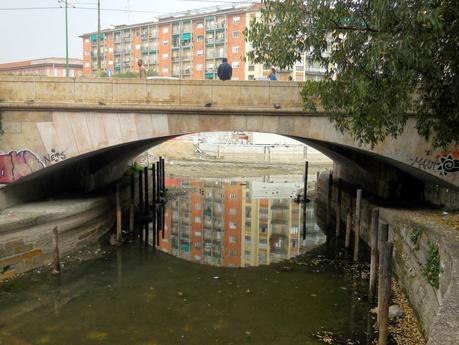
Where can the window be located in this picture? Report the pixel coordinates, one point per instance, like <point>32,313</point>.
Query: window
<point>165,42</point>
<point>236,20</point>
<point>137,33</point>
<point>200,38</point>
<point>232,196</point>
<point>199,52</point>
<point>197,245</point>
<point>137,46</point>
<point>110,62</point>
<point>232,225</point>
<point>165,56</point>
<point>110,50</point>
<point>232,239</point>
<point>232,253</point>
<point>235,64</point>
<point>251,68</point>
<point>197,219</point>
<point>165,29</point>
<point>232,211</point>
<point>198,206</point>
<point>165,70</point>
<point>86,40</point>
<point>86,64</point>
<point>199,67</point>
<point>235,49</point>
<point>200,25</point>
<point>197,233</point>
<point>236,34</point>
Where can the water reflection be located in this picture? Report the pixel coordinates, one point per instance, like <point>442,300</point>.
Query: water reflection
<point>236,223</point>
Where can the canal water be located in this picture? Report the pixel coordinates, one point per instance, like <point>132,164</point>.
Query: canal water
<point>232,268</point>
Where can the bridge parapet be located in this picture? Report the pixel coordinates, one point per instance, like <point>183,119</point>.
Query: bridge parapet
<point>249,96</point>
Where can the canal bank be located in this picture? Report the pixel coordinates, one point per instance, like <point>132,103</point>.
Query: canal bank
<point>426,254</point>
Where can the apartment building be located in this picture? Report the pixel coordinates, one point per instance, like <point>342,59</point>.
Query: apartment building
<point>49,67</point>
<point>186,45</point>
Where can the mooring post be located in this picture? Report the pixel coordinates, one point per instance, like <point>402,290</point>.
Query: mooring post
<point>158,197</point>
<point>154,211</point>
<point>140,223</point>
<point>357,225</point>
<point>374,251</point>
<point>57,260</point>
<point>131,205</point>
<point>147,206</point>
<point>347,241</point>
<point>329,200</point>
<point>305,197</point>
<point>338,208</point>
<point>385,278</point>
<point>118,213</point>
<point>383,237</point>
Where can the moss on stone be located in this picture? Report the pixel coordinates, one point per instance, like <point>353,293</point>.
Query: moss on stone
<point>431,271</point>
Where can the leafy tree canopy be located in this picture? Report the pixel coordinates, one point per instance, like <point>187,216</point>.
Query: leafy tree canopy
<point>384,59</point>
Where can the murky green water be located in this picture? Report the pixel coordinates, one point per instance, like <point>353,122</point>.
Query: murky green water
<point>136,296</point>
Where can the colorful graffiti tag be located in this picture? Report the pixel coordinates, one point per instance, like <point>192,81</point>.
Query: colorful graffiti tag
<point>17,164</point>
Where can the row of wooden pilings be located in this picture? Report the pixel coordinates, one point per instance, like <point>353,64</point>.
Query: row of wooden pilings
<point>149,213</point>
<point>381,250</point>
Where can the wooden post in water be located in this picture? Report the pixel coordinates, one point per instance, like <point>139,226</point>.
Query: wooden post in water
<point>118,213</point>
<point>347,241</point>
<point>147,206</point>
<point>163,205</point>
<point>374,251</point>
<point>305,197</point>
<point>385,278</point>
<point>140,224</point>
<point>338,208</point>
<point>131,205</point>
<point>158,196</point>
<point>154,211</point>
<point>329,200</point>
<point>383,236</point>
<point>357,225</point>
<point>57,260</point>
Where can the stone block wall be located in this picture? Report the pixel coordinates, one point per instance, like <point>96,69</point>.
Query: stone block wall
<point>26,232</point>
<point>437,308</point>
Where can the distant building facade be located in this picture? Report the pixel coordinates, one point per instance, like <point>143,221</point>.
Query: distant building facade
<point>186,45</point>
<point>49,67</point>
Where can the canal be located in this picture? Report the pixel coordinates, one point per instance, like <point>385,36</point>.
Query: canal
<point>232,268</point>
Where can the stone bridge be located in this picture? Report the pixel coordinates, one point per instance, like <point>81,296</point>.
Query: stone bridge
<point>68,132</point>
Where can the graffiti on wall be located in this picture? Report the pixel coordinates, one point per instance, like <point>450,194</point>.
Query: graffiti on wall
<point>17,164</point>
<point>54,156</point>
<point>443,164</point>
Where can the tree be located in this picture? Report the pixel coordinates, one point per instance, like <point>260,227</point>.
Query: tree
<point>384,60</point>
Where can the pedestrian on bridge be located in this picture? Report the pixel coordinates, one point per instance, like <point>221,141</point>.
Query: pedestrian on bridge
<point>272,75</point>
<point>142,70</point>
<point>225,71</point>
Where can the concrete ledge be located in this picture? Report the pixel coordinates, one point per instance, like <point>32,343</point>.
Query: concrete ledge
<point>26,239</point>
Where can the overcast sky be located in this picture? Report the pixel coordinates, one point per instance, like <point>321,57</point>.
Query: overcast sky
<point>34,33</point>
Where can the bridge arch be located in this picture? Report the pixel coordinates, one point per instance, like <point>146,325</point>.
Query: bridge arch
<point>58,128</point>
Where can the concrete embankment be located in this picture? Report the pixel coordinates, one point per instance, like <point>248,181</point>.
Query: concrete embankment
<point>26,231</point>
<point>426,257</point>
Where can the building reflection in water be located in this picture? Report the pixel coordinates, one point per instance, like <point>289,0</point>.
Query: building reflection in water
<point>236,224</point>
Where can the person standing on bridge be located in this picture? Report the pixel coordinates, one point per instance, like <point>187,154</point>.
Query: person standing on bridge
<point>272,75</point>
<point>142,70</point>
<point>225,71</point>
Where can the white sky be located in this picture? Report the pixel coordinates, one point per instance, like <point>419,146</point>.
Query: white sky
<point>33,34</point>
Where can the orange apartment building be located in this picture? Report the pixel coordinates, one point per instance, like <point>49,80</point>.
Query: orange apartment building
<point>50,67</point>
<point>187,45</point>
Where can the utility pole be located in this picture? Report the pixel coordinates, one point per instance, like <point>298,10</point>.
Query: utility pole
<point>66,43</point>
<point>98,39</point>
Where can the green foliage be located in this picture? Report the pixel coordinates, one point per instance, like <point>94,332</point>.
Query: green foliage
<point>431,271</point>
<point>415,234</point>
<point>384,60</point>
<point>152,73</point>
<point>127,75</point>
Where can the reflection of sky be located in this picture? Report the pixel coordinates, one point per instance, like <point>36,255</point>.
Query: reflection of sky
<point>236,223</point>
